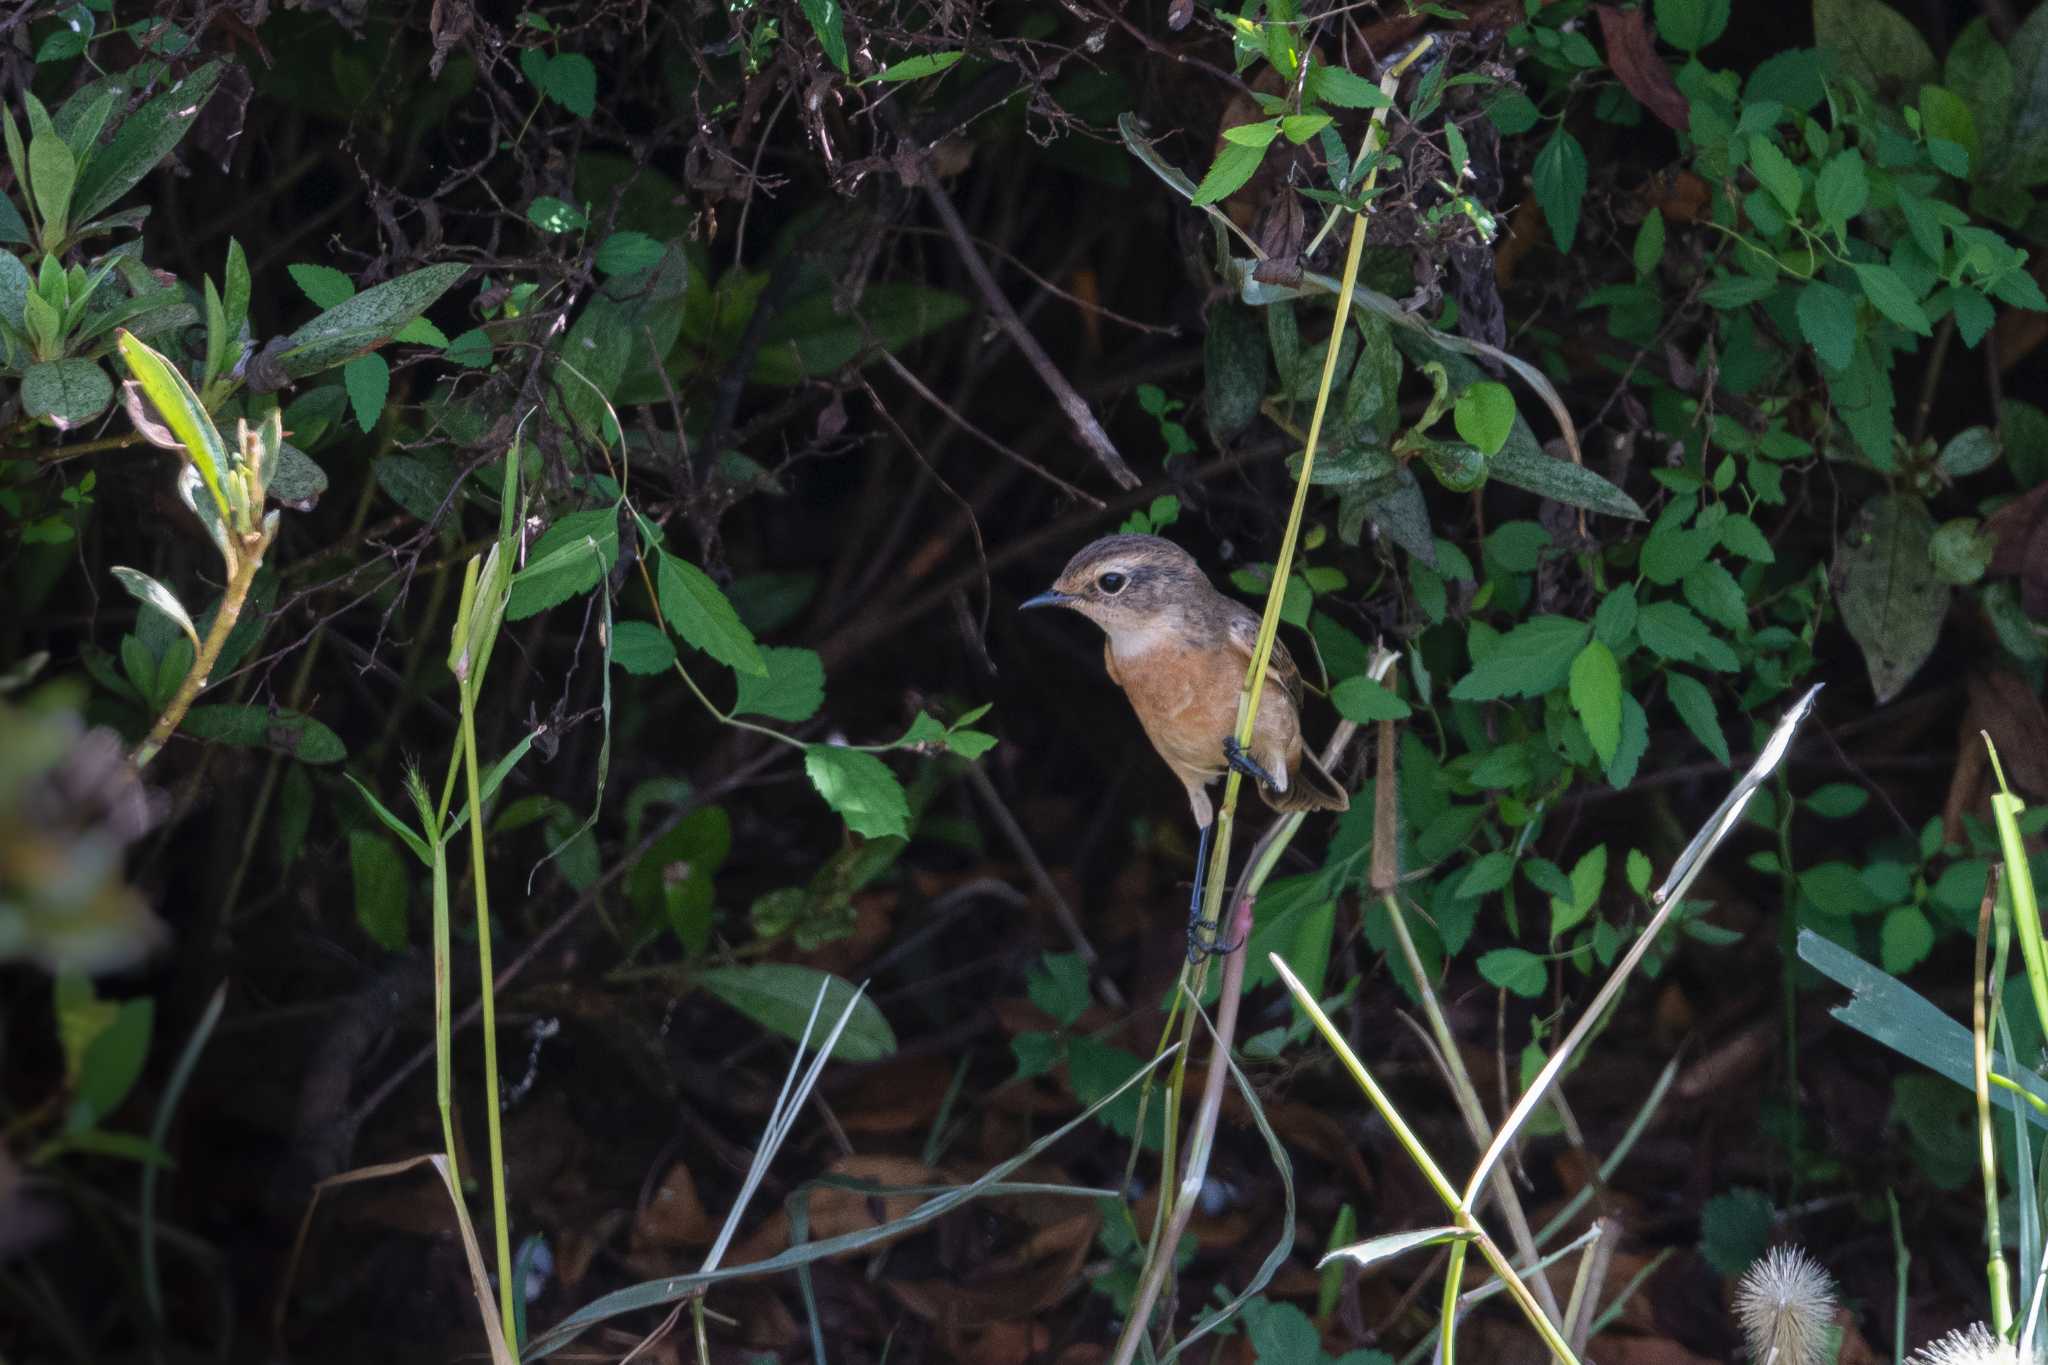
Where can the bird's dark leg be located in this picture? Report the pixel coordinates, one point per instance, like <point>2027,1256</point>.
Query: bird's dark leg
<point>1201,932</point>
<point>1234,753</point>
<point>1204,935</point>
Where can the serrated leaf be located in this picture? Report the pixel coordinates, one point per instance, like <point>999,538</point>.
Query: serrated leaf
<point>571,81</point>
<point>1842,189</point>
<point>791,690</point>
<point>1906,939</point>
<point>1364,701</point>
<point>1827,319</point>
<point>699,612</point>
<point>641,647</point>
<point>1695,706</point>
<point>1515,970</point>
<point>1235,163</point>
<point>861,788</point>
<point>569,558</point>
<point>323,285</point>
<point>1690,25</point>
<point>1775,172</point>
<point>1883,287</point>
<point>1876,44</point>
<point>1529,660</point>
<point>1337,86</point>
<point>1596,697</point>
<point>550,214</point>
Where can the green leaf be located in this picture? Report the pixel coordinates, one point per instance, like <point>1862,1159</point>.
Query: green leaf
<point>1521,463</point>
<point>625,253</point>
<point>1836,800</point>
<point>65,393</point>
<point>1876,44</point>
<point>792,689</point>
<point>642,647</point>
<point>144,138</point>
<point>1596,696</point>
<point>143,588</point>
<point>1484,415</point>
<point>1775,172</point>
<point>1837,888</point>
<point>1260,134</point>
<point>261,727</point>
<point>1970,451</point>
<point>1235,163</point>
<point>1731,292</point>
<point>1842,190</point>
<point>550,214</point>
<point>1529,660</point>
<point>1741,536</point>
<point>809,339</point>
<point>700,613</point>
<point>368,381</point>
<point>1883,287</point>
<point>1059,986</point>
<point>470,349</point>
<point>1713,592</point>
<point>1827,319</point>
<point>383,891</point>
<point>1560,181</point>
<point>780,996</point>
<point>1891,600</point>
<point>571,81</point>
<point>365,320</point>
<point>861,788</point>
<point>570,557</point>
<point>1906,939</point>
<point>1649,245</point>
<point>1233,368</point>
<point>1363,700</point>
<point>1515,970</point>
<point>1299,128</point>
<point>828,21</point>
<point>1695,706</point>
<point>53,171</point>
<point>112,1064</point>
<point>916,68</point>
<point>181,411</point>
<point>1335,85</point>
<point>1735,1227</point>
<point>1690,25</point>
<point>325,286</point>
<point>1673,632</point>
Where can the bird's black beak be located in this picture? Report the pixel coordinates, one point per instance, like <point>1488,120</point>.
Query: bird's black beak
<point>1048,598</point>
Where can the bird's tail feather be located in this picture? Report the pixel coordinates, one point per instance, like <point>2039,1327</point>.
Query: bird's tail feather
<point>1308,788</point>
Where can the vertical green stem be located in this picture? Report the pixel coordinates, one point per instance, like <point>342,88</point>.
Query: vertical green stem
<point>253,545</point>
<point>487,992</point>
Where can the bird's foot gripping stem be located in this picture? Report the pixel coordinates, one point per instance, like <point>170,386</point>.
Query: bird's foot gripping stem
<point>1205,935</point>
<point>1234,754</point>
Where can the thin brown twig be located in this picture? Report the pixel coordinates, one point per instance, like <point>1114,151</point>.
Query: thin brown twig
<point>1071,403</point>
<point>923,391</point>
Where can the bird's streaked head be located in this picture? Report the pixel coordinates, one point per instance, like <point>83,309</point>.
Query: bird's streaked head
<point>1127,583</point>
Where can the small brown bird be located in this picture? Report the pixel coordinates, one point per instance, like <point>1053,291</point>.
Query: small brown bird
<point>1180,649</point>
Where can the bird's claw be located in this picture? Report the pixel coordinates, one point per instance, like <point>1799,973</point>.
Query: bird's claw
<point>1234,754</point>
<point>1205,939</point>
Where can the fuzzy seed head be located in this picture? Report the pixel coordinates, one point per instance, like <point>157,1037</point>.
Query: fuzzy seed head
<point>1972,1345</point>
<point>1785,1302</point>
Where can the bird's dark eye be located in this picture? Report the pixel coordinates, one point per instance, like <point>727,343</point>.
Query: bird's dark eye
<point>1112,583</point>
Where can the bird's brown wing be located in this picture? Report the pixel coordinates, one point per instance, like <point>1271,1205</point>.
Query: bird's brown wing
<point>1280,669</point>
